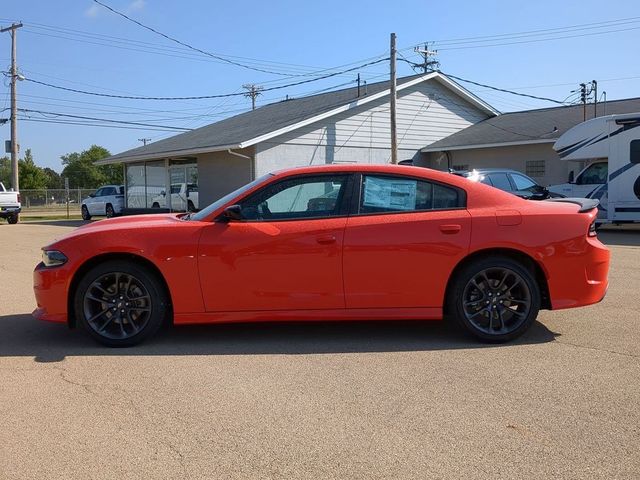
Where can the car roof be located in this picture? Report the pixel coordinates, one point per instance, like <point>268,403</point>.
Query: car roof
<point>427,173</point>
<point>491,170</point>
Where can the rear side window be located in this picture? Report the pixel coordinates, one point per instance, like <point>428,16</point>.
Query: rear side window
<point>382,194</point>
<point>522,183</point>
<point>500,180</point>
<point>634,155</point>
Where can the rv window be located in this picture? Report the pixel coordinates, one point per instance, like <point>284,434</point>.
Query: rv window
<point>634,155</point>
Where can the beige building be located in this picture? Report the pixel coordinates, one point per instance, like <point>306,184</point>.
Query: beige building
<point>518,140</point>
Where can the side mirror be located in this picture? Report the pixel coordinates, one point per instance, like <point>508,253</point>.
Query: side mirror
<point>571,176</point>
<point>92,195</point>
<point>232,213</point>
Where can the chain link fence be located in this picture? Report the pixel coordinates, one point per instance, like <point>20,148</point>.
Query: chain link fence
<point>53,201</point>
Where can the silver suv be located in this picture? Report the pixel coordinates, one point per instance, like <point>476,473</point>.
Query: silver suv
<point>108,201</point>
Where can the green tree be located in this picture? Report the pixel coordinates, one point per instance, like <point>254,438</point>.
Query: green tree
<point>82,171</point>
<point>5,171</point>
<point>54,179</point>
<point>31,176</point>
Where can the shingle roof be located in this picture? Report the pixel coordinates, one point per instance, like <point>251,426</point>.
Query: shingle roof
<point>232,132</point>
<point>546,124</point>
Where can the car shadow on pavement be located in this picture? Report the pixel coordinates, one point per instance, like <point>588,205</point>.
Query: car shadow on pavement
<point>56,223</point>
<point>22,335</point>
<point>619,237</point>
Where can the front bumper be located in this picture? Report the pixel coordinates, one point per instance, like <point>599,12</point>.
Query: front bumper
<point>50,289</point>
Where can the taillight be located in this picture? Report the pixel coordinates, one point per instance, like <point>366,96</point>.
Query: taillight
<point>592,229</point>
<point>18,198</point>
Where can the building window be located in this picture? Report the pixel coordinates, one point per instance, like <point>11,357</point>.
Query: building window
<point>460,168</point>
<point>535,168</point>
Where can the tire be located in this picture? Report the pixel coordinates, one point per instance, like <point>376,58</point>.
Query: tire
<point>190,206</point>
<point>109,211</point>
<point>120,304</point>
<point>155,205</point>
<point>13,219</point>
<point>495,299</point>
<point>85,213</point>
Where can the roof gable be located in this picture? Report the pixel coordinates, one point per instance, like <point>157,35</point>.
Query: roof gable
<point>271,120</point>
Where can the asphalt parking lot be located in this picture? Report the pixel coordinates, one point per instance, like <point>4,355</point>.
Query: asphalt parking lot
<point>347,400</point>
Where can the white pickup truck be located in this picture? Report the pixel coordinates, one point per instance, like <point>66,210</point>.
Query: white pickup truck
<point>9,205</point>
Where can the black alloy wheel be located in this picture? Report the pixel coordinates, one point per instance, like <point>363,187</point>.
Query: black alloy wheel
<point>109,211</point>
<point>13,219</point>
<point>496,299</point>
<point>85,213</point>
<point>120,303</point>
<point>190,206</point>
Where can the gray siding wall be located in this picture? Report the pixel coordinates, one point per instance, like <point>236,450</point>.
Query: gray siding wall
<point>514,157</point>
<point>220,173</point>
<point>426,113</point>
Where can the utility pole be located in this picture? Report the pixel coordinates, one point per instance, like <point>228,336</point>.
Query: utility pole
<point>428,65</point>
<point>394,138</point>
<point>594,88</point>
<point>144,140</point>
<point>253,92</point>
<point>583,99</point>
<point>14,107</point>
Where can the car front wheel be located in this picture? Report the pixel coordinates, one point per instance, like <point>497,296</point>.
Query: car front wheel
<point>85,213</point>
<point>120,303</point>
<point>495,299</point>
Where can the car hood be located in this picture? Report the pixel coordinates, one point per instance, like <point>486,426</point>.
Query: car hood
<point>116,226</point>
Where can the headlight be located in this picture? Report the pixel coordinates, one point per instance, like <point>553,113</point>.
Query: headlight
<point>53,258</point>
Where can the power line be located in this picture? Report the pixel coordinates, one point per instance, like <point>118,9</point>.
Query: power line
<point>538,32</point>
<point>202,97</point>
<point>546,99</point>
<point>124,122</point>
<point>191,47</point>
<point>84,124</point>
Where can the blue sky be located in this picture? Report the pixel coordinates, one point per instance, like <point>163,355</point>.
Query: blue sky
<point>80,45</point>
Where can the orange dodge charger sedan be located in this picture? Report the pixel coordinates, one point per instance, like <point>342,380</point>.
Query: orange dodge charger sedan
<point>337,242</point>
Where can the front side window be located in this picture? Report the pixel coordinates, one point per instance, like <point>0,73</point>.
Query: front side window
<point>99,192</point>
<point>297,198</point>
<point>402,194</point>
<point>594,175</point>
<point>501,181</point>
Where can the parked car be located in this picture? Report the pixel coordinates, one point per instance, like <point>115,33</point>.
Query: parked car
<point>398,242</point>
<point>184,197</point>
<point>510,181</point>
<point>10,206</point>
<point>108,201</point>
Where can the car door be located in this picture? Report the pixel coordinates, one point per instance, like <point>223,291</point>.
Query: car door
<point>286,251</point>
<point>402,244</point>
<point>93,203</point>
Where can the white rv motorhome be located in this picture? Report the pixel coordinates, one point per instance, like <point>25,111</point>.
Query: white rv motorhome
<point>612,145</point>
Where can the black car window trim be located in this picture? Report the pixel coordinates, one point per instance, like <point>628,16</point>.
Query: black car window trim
<point>344,199</point>
<point>357,200</point>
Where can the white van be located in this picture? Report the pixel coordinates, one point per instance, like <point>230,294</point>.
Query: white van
<point>612,145</point>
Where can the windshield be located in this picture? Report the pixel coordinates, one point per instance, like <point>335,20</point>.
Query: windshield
<point>205,212</point>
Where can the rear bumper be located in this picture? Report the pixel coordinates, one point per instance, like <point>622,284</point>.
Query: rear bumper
<point>582,278</point>
<point>50,289</point>
<point>9,211</point>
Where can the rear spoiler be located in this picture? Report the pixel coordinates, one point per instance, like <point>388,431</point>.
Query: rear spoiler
<point>586,204</point>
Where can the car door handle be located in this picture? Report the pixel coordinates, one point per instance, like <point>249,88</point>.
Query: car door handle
<point>326,239</point>
<point>450,229</point>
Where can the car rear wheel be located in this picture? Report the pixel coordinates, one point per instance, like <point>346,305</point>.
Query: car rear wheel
<point>495,299</point>
<point>85,213</point>
<point>190,206</point>
<point>13,219</point>
<point>109,211</point>
<point>120,304</point>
